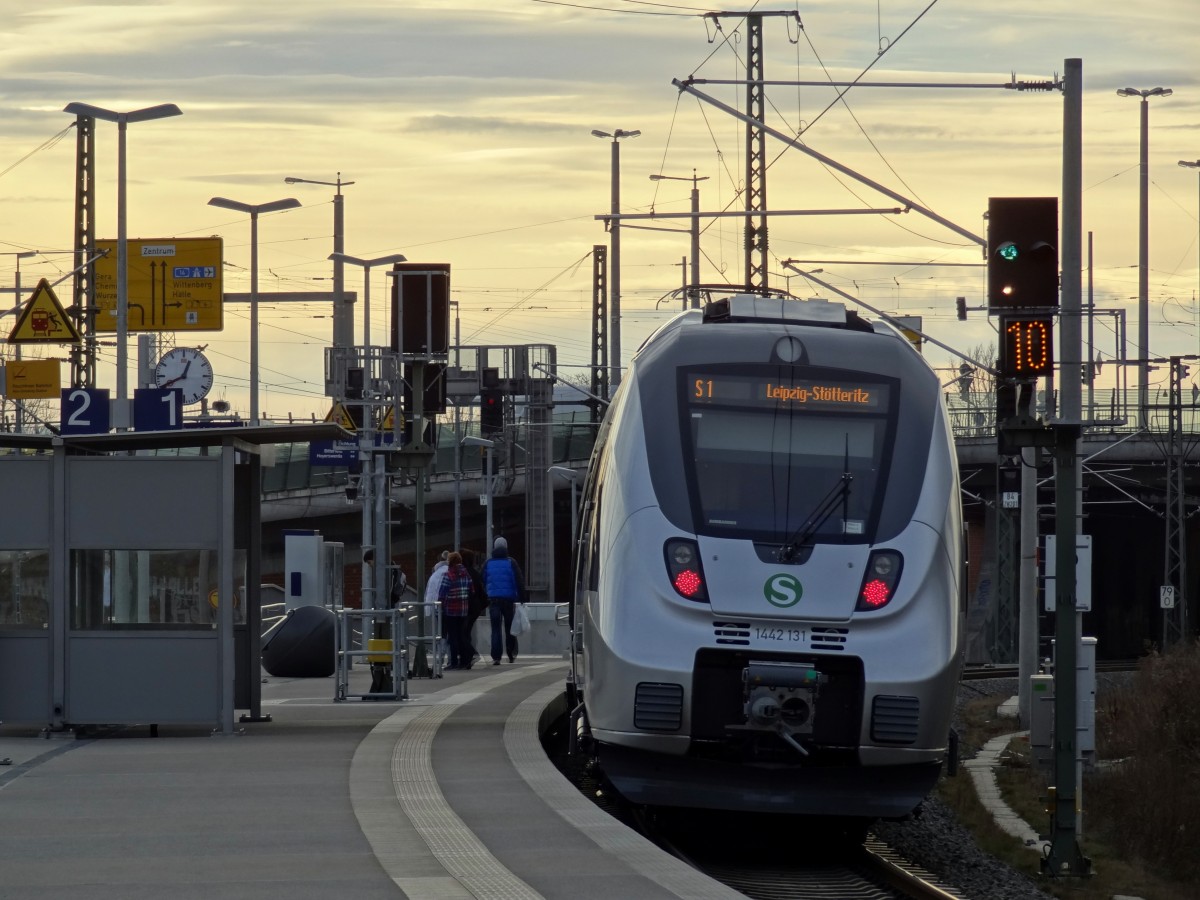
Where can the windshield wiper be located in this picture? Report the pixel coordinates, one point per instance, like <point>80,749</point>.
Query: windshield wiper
<point>824,509</point>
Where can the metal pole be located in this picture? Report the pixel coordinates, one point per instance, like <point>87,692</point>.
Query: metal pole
<point>366,312</point>
<point>1091,335</point>
<point>122,280</point>
<point>488,490</point>
<point>574,513</point>
<point>1027,574</point>
<point>614,277</point>
<point>1143,266</point>
<point>1064,857</point>
<point>695,292</point>
<point>253,317</point>
<point>343,315</point>
<point>458,445</point>
<point>683,265</point>
<point>19,405</point>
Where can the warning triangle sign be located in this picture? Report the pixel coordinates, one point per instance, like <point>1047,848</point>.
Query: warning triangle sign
<point>43,320</point>
<point>341,416</point>
<point>389,421</point>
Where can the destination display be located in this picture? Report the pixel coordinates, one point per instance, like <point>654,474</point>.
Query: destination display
<point>767,391</point>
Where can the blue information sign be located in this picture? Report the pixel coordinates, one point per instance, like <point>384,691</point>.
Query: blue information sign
<point>332,453</point>
<point>341,453</point>
<point>157,409</point>
<point>84,411</point>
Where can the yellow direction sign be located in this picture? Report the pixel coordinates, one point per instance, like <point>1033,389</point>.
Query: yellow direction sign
<point>43,320</point>
<point>339,414</point>
<point>32,379</point>
<point>174,284</point>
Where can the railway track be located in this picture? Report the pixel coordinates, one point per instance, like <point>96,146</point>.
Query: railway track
<point>764,863</point>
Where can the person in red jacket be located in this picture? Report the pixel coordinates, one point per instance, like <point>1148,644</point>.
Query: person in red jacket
<point>455,591</point>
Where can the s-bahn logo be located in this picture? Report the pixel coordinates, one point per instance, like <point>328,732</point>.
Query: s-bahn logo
<point>783,590</point>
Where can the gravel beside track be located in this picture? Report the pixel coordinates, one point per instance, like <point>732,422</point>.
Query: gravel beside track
<point>937,842</point>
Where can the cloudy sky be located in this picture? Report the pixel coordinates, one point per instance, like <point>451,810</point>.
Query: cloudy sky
<point>465,127</point>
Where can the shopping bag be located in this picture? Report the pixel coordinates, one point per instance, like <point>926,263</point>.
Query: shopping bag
<point>520,622</point>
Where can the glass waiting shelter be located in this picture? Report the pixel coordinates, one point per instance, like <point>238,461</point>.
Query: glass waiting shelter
<point>129,575</point>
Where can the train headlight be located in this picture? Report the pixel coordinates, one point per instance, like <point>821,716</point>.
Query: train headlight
<point>684,569</point>
<point>879,582</point>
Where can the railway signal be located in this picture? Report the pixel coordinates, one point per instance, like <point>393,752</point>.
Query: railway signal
<point>1022,263</point>
<point>491,411</point>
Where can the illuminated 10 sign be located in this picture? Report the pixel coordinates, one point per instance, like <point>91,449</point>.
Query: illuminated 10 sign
<point>1026,346</point>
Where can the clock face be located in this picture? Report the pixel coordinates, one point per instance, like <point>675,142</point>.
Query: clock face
<point>187,369</point>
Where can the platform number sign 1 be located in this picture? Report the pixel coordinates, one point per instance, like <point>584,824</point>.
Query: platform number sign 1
<point>84,411</point>
<point>155,409</point>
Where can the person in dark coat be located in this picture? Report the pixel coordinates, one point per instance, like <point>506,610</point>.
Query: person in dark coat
<point>505,587</point>
<point>476,603</point>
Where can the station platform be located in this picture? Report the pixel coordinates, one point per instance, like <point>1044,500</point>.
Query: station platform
<point>444,796</point>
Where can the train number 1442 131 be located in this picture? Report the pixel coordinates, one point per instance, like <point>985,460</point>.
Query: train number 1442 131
<point>764,633</point>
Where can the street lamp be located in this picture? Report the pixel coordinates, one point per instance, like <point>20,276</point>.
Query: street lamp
<point>367,265</point>
<point>343,315</point>
<point>1195,165</point>
<point>488,446</point>
<point>162,111</point>
<point>1144,246</point>
<point>614,278</point>
<point>695,180</point>
<point>254,209</point>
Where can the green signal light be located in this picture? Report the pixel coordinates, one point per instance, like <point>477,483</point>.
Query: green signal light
<point>1007,251</point>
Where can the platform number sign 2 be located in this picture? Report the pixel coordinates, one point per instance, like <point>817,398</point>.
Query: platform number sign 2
<point>84,411</point>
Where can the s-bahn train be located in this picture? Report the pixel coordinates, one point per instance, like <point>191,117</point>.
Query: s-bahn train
<point>769,568</point>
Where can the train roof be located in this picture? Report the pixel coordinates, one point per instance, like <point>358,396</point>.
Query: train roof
<point>755,308</point>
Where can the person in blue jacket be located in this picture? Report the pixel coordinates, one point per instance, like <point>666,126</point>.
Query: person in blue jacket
<point>505,587</point>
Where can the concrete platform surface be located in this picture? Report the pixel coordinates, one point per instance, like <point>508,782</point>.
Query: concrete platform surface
<point>445,795</point>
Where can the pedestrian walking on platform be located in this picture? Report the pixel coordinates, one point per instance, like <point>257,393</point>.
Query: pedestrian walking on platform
<point>505,587</point>
<point>432,590</point>
<point>476,603</point>
<point>454,592</point>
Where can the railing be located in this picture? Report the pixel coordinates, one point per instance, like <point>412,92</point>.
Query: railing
<point>572,436</point>
<point>1114,411</point>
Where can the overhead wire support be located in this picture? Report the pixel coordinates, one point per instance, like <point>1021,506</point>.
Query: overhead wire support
<point>833,164</point>
<point>1004,85</point>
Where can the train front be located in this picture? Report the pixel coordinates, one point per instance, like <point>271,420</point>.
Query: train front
<point>776,542</point>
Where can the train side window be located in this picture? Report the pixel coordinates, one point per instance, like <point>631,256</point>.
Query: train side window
<point>592,573</point>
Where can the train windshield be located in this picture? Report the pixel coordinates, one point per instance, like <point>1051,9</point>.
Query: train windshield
<point>793,458</point>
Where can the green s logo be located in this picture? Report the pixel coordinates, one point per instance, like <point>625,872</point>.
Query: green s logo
<point>783,590</point>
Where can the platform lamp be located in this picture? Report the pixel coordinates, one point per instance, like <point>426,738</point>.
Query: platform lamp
<point>122,119</point>
<point>253,209</point>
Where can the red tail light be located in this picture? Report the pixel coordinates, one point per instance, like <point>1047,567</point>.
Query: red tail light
<point>684,569</point>
<point>879,582</point>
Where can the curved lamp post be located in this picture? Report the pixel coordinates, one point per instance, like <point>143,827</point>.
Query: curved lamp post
<point>162,111</point>
<point>253,209</point>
